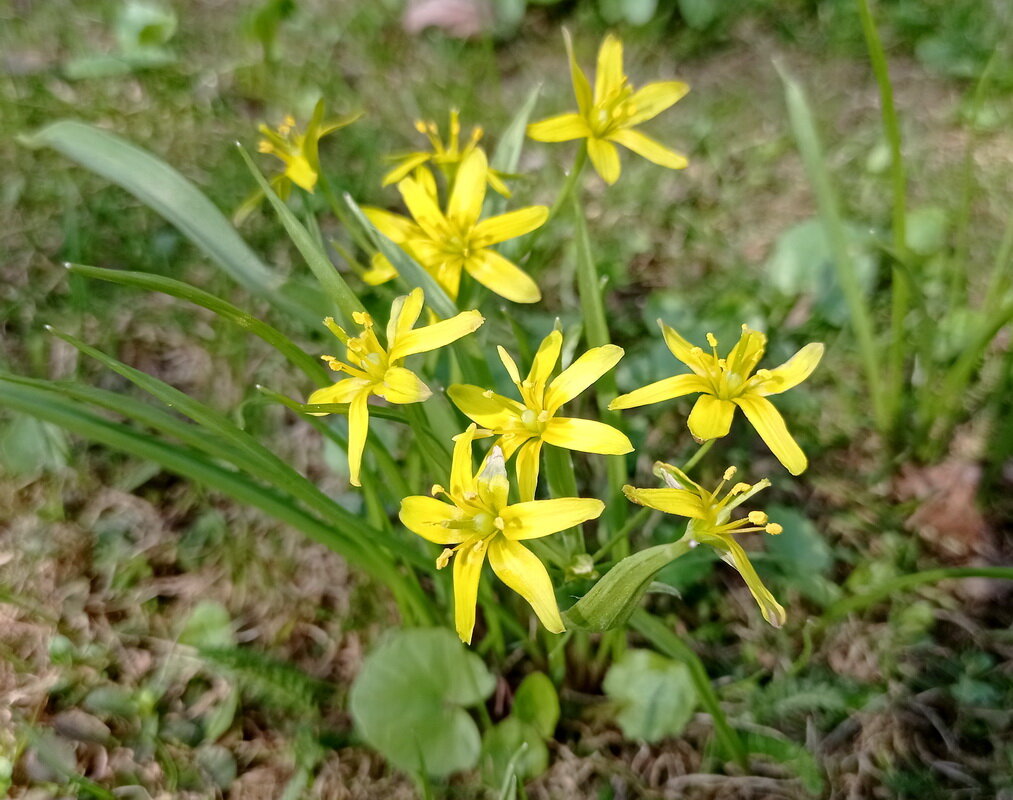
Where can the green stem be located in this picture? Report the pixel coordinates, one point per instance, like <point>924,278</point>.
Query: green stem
<point>899,285</point>
<point>621,535</point>
<point>658,634</point>
<point>704,448</point>
<point>340,211</point>
<point>804,128</point>
<point>571,181</point>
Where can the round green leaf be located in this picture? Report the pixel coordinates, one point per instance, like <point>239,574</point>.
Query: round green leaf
<point>407,701</point>
<point>654,695</point>
<point>513,745</point>
<point>537,703</point>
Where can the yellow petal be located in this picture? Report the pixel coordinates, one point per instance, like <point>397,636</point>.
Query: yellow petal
<point>692,357</point>
<point>380,270</point>
<point>437,335</point>
<point>605,159</point>
<point>665,389</point>
<point>732,552</point>
<point>426,517</point>
<point>587,436</point>
<point>401,386</point>
<point>490,410</point>
<point>793,371</point>
<point>711,417</point>
<point>468,194</point>
<point>301,173</point>
<point>404,169</point>
<point>467,572</point>
<point>581,85</point>
<point>649,148</point>
<point>680,502</point>
<point>497,184</point>
<point>770,425</point>
<point>545,359</point>
<point>501,276</point>
<point>509,226</point>
<point>537,518</point>
<point>462,476</point>
<point>423,208</point>
<point>358,427</point>
<point>404,313</point>
<point>509,364</point>
<point>651,100</point>
<point>609,78</point>
<point>394,226</point>
<point>521,570</point>
<point>580,374</point>
<point>561,128</point>
<point>748,351</point>
<point>341,392</point>
<point>527,467</point>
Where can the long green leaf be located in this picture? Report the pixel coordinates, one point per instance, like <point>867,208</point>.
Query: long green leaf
<point>256,458</point>
<point>168,193</point>
<point>184,291</point>
<point>511,143</point>
<point>183,461</point>
<point>327,275</point>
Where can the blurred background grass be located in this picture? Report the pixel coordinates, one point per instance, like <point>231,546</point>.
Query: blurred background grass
<point>112,571</point>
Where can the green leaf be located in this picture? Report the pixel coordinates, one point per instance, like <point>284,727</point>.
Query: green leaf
<point>655,696</point>
<point>508,150</point>
<point>792,755</point>
<point>537,704</point>
<point>29,447</point>
<point>611,601</point>
<point>699,14</point>
<point>513,748</point>
<point>209,625</point>
<point>169,194</point>
<point>334,287</point>
<point>184,291</point>
<point>926,230</point>
<point>802,263</point>
<point>408,701</point>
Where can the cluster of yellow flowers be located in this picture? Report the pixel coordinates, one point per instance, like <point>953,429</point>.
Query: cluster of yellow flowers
<point>473,518</point>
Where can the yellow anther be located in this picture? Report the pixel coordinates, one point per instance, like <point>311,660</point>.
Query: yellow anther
<point>499,523</point>
<point>444,557</point>
<point>420,126</point>
<point>336,329</point>
<point>712,340</point>
<point>488,394</point>
<point>265,147</point>
<point>757,517</point>
<point>773,528</point>
<point>730,473</point>
<point>437,489</point>
<point>739,488</point>
<point>362,318</point>
<point>764,374</point>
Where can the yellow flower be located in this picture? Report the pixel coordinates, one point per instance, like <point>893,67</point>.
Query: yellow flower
<point>478,521</point>
<point>447,243</point>
<point>447,157</point>
<point>728,382</point>
<point>298,149</point>
<point>709,523</point>
<point>525,426</point>
<point>375,370</point>
<point>610,115</point>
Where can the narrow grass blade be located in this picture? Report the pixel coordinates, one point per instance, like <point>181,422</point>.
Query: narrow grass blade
<point>327,275</point>
<point>804,127</point>
<point>184,291</point>
<point>165,191</point>
<point>508,152</point>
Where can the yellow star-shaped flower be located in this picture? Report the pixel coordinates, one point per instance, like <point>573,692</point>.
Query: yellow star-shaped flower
<point>478,521</point>
<point>457,241</point>
<point>710,523</point>
<point>610,115</point>
<point>727,383</point>
<point>377,370</point>
<point>524,426</point>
